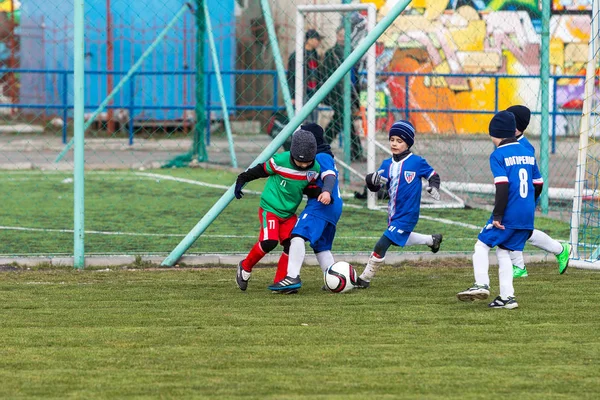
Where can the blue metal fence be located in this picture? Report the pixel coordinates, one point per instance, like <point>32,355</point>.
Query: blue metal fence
<point>65,107</point>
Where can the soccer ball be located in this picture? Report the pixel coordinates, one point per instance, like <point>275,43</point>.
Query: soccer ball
<point>340,277</point>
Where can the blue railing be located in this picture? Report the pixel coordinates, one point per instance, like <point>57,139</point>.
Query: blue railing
<point>132,107</point>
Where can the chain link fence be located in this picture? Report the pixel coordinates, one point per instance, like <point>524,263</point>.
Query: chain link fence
<point>188,116</point>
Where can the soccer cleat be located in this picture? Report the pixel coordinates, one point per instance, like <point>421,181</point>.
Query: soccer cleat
<point>437,241</point>
<point>563,258</point>
<point>242,277</point>
<point>519,272</point>
<point>475,292</point>
<point>286,285</point>
<point>499,302</point>
<point>361,284</point>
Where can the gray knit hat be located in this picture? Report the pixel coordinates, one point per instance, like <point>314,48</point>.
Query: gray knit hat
<point>304,146</point>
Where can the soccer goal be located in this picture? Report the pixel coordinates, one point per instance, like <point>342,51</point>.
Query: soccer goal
<point>585,218</point>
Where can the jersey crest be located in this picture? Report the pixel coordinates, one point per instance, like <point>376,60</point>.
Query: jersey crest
<point>311,175</point>
<point>409,176</point>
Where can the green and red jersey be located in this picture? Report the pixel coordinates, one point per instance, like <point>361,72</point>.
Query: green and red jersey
<point>283,191</point>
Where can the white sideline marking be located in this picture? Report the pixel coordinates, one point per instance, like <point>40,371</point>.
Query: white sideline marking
<point>190,181</point>
<point>450,222</point>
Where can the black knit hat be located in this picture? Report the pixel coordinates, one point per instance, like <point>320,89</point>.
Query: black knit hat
<point>405,131</point>
<point>304,146</point>
<point>522,116</point>
<point>316,130</point>
<point>503,125</point>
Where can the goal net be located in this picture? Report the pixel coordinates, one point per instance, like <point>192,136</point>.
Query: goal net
<point>585,219</point>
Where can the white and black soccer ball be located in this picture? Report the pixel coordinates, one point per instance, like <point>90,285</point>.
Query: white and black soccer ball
<point>340,277</point>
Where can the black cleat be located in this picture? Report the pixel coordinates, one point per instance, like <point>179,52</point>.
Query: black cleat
<point>437,241</point>
<point>239,277</point>
<point>361,284</point>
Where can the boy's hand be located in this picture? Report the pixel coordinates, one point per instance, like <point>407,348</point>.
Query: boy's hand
<point>325,198</point>
<point>238,190</point>
<point>312,191</point>
<point>433,192</point>
<point>498,224</point>
<point>376,179</point>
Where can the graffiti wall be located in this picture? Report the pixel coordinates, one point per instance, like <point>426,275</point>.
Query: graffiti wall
<point>9,47</point>
<point>484,39</point>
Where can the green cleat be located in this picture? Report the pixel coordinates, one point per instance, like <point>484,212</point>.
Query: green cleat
<point>563,258</point>
<point>519,272</point>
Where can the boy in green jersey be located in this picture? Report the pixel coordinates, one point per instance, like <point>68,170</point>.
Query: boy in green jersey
<point>289,173</point>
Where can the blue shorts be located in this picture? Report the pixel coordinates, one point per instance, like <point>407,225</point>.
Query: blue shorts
<point>509,239</point>
<point>398,236</point>
<point>317,231</point>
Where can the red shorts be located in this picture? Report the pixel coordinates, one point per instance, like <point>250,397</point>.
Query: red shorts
<point>273,227</point>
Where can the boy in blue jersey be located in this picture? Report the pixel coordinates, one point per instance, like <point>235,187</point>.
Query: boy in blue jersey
<point>401,175</point>
<point>518,185</point>
<point>538,238</point>
<point>317,223</point>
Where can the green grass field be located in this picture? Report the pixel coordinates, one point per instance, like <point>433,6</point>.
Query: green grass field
<point>131,212</point>
<point>190,333</point>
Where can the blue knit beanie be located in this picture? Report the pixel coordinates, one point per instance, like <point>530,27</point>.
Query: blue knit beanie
<point>405,131</point>
<point>503,125</point>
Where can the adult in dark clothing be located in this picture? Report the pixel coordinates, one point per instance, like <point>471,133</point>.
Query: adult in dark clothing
<point>333,59</point>
<point>312,70</point>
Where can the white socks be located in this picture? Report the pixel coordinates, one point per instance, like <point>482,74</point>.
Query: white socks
<point>543,241</point>
<point>417,238</point>
<point>296,258</point>
<point>516,257</point>
<point>481,263</point>
<point>325,259</point>
<point>371,268</point>
<point>505,273</point>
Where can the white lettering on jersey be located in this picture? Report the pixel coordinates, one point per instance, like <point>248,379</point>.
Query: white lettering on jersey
<point>519,160</point>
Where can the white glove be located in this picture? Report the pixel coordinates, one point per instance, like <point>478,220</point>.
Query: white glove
<point>433,192</point>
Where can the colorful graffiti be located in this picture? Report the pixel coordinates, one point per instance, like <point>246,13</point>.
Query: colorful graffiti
<point>10,16</point>
<point>487,38</point>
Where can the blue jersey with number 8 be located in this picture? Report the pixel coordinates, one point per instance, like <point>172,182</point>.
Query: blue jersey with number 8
<point>514,165</point>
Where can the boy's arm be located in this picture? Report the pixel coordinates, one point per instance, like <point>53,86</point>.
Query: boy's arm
<point>433,179</point>
<point>500,202</point>
<point>538,182</point>
<point>501,198</point>
<point>256,172</point>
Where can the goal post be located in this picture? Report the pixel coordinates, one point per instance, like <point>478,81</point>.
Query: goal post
<point>371,10</point>
<point>585,216</point>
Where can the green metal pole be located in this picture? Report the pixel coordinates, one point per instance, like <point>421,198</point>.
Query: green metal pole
<point>347,98</point>
<point>78,136</point>
<point>314,101</point>
<point>199,143</point>
<point>279,66</point>
<point>123,81</point>
<point>545,84</point>
<point>215,58</point>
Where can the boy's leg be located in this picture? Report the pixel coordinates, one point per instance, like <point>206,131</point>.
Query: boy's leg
<point>518,262</point>
<point>285,231</point>
<point>322,246</point>
<point>376,260</point>
<point>297,253</point>
<point>433,241</point>
<point>505,273</point>
<point>266,243</point>
<point>561,251</point>
<point>325,259</point>
<point>481,265</point>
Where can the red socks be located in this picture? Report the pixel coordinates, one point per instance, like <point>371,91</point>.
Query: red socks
<point>282,267</point>
<point>253,257</point>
